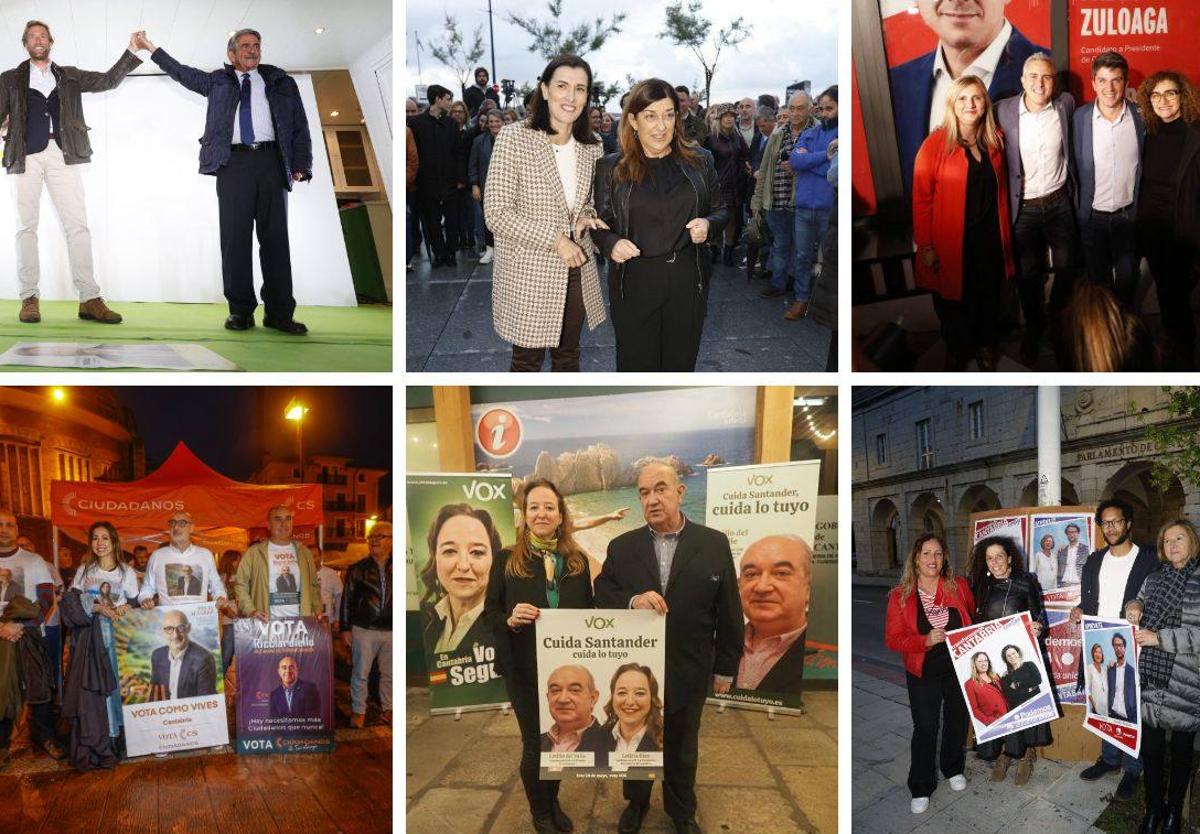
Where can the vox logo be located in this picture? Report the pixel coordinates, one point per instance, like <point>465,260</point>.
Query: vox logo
<point>599,622</point>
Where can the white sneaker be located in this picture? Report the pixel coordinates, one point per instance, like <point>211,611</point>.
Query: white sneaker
<point>958,783</point>
<point>919,804</point>
<point>486,257</point>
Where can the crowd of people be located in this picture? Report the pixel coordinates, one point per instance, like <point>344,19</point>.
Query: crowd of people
<point>1155,588</point>
<point>541,201</point>
<point>41,611</point>
<point>1099,187</point>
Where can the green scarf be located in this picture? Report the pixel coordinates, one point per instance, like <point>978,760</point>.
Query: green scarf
<point>552,562</point>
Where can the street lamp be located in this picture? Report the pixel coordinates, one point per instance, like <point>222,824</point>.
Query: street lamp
<point>59,395</point>
<point>295,410</point>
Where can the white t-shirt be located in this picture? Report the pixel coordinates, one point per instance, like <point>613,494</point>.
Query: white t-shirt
<point>28,571</point>
<point>331,591</point>
<point>121,586</point>
<point>564,160</point>
<point>284,577</point>
<point>1114,575</point>
<point>167,577</point>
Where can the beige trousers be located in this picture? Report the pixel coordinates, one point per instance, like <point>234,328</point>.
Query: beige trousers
<point>66,192</point>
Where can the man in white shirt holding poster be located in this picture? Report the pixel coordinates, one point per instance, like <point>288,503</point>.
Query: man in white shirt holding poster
<point>263,563</point>
<point>182,560</point>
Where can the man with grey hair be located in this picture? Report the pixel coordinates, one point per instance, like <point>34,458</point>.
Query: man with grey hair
<point>674,564</point>
<point>47,137</point>
<point>775,583</point>
<point>183,572</point>
<point>1037,129</point>
<point>775,192</point>
<point>256,142</point>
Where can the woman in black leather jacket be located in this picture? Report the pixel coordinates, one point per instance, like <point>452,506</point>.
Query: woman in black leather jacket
<point>661,201</point>
<point>1002,587</point>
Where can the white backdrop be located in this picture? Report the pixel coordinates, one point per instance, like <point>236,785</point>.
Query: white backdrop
<point>153,217</point>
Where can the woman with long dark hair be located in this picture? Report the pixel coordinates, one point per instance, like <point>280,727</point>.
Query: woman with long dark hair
<point>660,201</point>
<point>929,601</point>
<point>537,201</point>
<point>545,568</point>
<point>1002,587</point>
<point>463,543</point>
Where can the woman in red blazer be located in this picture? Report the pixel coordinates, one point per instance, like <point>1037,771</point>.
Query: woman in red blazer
<point>983,690</point>
<point>961,224</point>
<point>929,601</point>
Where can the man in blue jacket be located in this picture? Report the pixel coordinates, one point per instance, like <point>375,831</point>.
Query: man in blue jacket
<point>256,142</point>
<point>1122,688</point>
<point>814,197</point>
<point>974,38</point>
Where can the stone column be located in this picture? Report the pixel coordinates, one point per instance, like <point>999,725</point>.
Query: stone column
<point>1049,440</point>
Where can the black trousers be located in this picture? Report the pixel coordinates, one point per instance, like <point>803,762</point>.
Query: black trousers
<point>522,692</point>
<point>1036,229</point>
<point>1110,249</point>
<point>41,726</point>
<point>681,753</point>
<point>565,357</point>
<point>1172,261</point>
<point>251,198</point>
<point>435,208</point>
<point>1161,782</point>
<point>658,310</point>
<point>929,697</point>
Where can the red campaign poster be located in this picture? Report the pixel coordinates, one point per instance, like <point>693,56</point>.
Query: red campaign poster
<point>1152,35</point>
<point>1003,33</point>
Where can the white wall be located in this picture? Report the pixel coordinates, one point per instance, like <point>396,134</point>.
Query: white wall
<point>153,216</point>
<point>372,77</point>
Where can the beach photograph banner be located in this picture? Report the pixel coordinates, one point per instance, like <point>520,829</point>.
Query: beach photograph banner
<point>1111,683</point>
<point>1003,680</point>
<point>166,710</point>
<point>769,514</point>
<point>601,683</point>
<point>1059,544</point>
<point>285,686</point>
<point>1064,647</point>
<point>458,524</point>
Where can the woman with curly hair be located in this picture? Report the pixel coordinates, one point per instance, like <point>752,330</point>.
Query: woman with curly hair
<point>1168,207</point>
<point>634,712</point>
<point>929,601</point>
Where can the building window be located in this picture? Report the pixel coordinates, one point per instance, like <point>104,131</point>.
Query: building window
<point>881,450</point>
<point>924,444</point>
<point>975,413</point>
<point>360,528</point>
<point>21,479</point>
<point>340,528</point>
<point>362,477</point>
<point>360,503</point>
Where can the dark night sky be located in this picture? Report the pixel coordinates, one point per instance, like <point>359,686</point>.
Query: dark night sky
<point>231,428</point>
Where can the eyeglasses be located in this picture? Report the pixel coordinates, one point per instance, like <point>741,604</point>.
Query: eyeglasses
<point>1167,95</point>
<point>1112,522</point>
<point>174,629</point>
<point>179,522</point>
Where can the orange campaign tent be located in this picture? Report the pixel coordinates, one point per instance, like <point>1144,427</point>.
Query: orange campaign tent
<point>222,508</point>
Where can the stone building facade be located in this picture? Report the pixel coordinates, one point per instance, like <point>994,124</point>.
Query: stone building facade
<point>925,458</point>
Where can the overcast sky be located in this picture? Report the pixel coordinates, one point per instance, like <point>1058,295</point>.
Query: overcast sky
<point>789,42</point>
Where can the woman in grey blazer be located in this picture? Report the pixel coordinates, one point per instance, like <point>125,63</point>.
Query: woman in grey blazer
<point>538,203</point>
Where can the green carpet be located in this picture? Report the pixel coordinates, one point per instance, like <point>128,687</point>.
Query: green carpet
<point>339,338</point>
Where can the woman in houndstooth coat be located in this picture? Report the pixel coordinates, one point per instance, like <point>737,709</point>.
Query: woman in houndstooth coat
<point>538,204</point>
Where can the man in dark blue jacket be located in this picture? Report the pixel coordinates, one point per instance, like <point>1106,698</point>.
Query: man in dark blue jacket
<point>256,142</point>
<point>1126,709</point>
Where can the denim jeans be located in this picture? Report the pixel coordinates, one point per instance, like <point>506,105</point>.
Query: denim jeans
<point>1036,229</point>
<point>1114,756</point>
<point>366,645</point>
<point>811,225</point>
<point>782,224</point>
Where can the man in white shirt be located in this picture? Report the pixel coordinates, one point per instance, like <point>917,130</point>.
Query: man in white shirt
<point>330,582</point>
<point>1037,130</point>
<point>1107,143</point>
<point>1111,577</point>
<point>182,571</point>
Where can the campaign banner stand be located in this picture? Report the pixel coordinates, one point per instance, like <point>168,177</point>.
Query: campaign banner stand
<point>461,668</point>
<point>1071,742</point>
<point>764,509</point>
<point>623,654</point>
<point>285,686</point>
<point>161,715</point>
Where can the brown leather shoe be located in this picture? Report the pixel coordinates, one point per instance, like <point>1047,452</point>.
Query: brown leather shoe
<point>94,309</point>
<point>358,719</point>
<point>1025,767</point>
<point>1000,768</point>
<point>30,312</point>
<point>798,310</point>
<point>54,750</point>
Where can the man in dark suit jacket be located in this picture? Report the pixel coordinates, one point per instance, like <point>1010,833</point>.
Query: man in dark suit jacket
<point>197,668</point>
<point>961,44</point>
<point>571,695</point>
<point>1129,704</point>
<point>188,583</point>
<point>1114,519</point>
<point>1108,229</point>
<point>294,698</point>
<point>684,570</point>
<point>1040,198</point>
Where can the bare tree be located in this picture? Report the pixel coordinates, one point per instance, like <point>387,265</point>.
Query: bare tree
<point>452,52</point>
<point>550,40</point>
<point>687,27</point>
